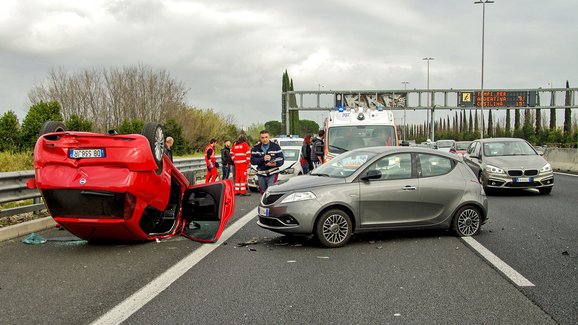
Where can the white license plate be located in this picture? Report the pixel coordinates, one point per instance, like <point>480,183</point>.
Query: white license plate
<point>264,212</point>
<point>86,153</point>
<point>523,179</point>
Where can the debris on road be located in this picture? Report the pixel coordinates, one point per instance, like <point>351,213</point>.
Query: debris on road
<point>34,239</point>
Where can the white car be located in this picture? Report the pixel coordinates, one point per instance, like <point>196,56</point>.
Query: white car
<point>291,167</point>
<point>445,145</point>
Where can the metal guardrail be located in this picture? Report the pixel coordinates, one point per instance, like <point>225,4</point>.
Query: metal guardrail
<point>13,186</point>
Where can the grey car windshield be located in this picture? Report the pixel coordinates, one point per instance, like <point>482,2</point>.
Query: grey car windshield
<point>508,148</point>
<point>344,165</point>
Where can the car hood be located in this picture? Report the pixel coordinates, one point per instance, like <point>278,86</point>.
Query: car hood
<point>304,182</point>
<point>517,162</point>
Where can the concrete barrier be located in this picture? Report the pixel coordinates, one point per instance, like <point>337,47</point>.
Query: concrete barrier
<point>25,228</point>
<point>562,159</point>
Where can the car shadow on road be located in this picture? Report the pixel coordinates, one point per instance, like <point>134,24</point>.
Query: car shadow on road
<point>310,241</point>
<point>513,192</point>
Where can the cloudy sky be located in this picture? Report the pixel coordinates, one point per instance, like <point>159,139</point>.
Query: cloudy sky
<point>231,54</point>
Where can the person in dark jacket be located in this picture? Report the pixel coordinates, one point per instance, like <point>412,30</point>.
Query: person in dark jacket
<point>305,161</point>
<point>318,149</point>
<point>168,144</point>
<point>226,160</point>
<point>268,157</point>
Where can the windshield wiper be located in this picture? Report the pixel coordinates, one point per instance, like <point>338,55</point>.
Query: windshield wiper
<point>338,148</point>
<point>321,174</point>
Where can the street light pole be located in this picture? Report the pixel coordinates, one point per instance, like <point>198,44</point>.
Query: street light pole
<point>428,96</point>
<point>404,115</point>
<point>483,2</point>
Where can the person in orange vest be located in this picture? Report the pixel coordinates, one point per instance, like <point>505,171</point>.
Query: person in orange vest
<point>211,162</point>
<point>241,155</point>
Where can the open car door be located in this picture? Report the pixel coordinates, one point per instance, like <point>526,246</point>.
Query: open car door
<point>206,210</point>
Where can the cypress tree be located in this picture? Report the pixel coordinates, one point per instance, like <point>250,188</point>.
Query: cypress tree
<point>568,111</point>
<point>508,122</point>
<point>552,112</point>
<point>490,124</point>
<point>284,88</point>
<point>471,124</point>
<point>517,119</point>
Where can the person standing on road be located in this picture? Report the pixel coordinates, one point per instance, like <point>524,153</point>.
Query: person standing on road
<point>241,154</point>
<point>168,144</point>
<point>268,157</point>
<point>305,160</point>
<point>226,160</point>
<point>317,149</point>
<point>211,162</point>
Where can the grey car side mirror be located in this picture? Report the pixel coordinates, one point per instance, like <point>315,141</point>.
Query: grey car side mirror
<point>371,174</point>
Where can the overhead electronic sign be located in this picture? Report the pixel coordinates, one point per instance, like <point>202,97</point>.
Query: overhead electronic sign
<point>497,99</point>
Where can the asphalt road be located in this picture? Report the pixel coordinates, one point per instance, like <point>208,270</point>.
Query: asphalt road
<point>410,277</point>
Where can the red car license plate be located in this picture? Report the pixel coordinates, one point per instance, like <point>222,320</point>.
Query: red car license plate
<point>86,153</point>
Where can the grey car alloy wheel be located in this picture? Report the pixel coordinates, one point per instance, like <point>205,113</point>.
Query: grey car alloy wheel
<point>467,222</point>
<point>334,228</point>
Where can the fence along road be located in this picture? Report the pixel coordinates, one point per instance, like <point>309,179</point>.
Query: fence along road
<point>13,186</point>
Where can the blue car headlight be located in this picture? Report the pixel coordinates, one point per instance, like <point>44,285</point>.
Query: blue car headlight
<point>299,196</point>
<point>494,170</point>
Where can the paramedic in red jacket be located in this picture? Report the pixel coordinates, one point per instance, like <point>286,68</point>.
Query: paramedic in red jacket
<point>241,154</point>
<point>211,162</point>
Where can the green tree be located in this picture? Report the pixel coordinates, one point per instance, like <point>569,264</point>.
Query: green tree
<point>517,120</point>
<point>78,123</point>
<point>175,130</point>
<point>131,127</point>
<point>37,115</point>
<point>308,127</point>
<point>275,128</point>
<point>9,131</point>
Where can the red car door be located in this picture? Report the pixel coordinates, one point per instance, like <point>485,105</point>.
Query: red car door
<point>206,208</point>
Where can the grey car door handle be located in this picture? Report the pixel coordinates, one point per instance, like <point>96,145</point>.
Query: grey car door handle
<point>409,188</point>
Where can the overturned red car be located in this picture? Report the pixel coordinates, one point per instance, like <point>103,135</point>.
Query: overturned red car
<point>123,187</point>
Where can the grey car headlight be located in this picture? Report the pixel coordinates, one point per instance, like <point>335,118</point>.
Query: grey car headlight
<point>546,169</point>
<point>288,171</point>
<point>299,196</point>
<point>494,170</point>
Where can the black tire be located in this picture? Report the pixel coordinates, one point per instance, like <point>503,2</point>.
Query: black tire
<point>156,137</point>
<point>52,126</point>
<point>253,189</point>
<point>467,221</point>
<point>545,190</point>
<point>334,228</point>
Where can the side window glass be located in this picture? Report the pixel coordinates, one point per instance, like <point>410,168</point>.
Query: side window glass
<point>394,166</point>
<point>432,165</point>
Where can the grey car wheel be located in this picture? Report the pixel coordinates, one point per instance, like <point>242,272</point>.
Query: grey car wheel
<point>467,221</point>
<point>334,228</point>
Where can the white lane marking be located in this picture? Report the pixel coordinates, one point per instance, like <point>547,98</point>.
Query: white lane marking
<point>140,298</point>
<point>507,270</point>
<point>566,174</point>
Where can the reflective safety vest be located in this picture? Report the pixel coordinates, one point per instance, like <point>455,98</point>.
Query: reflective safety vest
<point>241,153</point>
<point>210,160</point>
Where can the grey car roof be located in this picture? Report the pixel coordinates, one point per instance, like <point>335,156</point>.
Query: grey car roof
<point>385,149</point>
<point>500,140</point>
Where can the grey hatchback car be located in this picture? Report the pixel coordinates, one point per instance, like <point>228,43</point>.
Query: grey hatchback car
<point>509,163</point>
<point>376,189</point>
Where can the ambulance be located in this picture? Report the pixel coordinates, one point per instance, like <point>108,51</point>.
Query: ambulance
<point>348,129</point>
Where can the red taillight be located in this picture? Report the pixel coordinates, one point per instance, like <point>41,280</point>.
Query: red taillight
<point>129,204</point>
